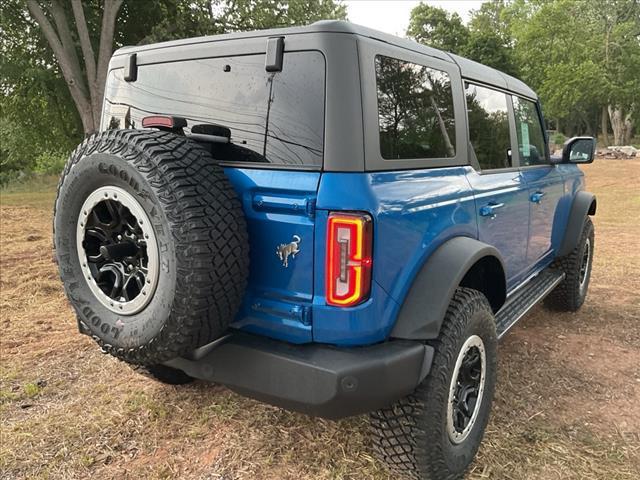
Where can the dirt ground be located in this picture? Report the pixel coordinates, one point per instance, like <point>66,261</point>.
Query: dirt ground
<point>567,403</point>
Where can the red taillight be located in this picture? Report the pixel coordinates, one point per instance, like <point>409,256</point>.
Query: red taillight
<point>163,121</point>
<point>348,269</point>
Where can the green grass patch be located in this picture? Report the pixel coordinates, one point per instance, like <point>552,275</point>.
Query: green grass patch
<point>37,191</point>
<point>31,389</point>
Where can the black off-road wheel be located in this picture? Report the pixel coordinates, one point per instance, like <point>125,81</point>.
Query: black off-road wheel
<point>571,293</point>
<point>151,244</point>
<point>434,433</point>
<point>164,374</point>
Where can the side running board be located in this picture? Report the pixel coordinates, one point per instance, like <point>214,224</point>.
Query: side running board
<point>525,298</point>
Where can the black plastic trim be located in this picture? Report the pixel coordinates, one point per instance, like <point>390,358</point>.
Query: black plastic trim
<point>131,68</point>
<point>316,379</point>
<point>275,51</point>
<point>584,203</point>
<point>425,305</point>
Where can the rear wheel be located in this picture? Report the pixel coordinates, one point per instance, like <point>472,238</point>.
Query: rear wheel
<point>435,432</point>
<point>571,293</point>
<point>151,244</point>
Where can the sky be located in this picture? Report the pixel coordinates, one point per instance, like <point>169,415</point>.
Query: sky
<point>392,16</point>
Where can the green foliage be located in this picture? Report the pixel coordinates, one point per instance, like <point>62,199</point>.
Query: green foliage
<point>39,121</point>
<point>260,14</point>
<point>581,56</point>
<point>486,40</point>
<point>558,138</point>
<point>488,48</point>
<point>436,27</point>
<point>50,163</point>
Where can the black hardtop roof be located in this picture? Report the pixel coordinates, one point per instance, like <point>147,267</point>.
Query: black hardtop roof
<point>469,69</point>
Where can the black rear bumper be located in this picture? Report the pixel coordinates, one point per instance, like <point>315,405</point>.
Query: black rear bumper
<point>315,379</point>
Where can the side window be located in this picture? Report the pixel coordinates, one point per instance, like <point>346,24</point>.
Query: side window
<point>531,145</point>
<point>415,110</point>
<point>489,127</point>
<point>274,118</point>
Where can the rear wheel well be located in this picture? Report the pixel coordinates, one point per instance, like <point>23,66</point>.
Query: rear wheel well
<point>592,207</point>
<point>487,276</point>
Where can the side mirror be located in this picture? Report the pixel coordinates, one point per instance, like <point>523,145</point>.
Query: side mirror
<point>579,150</point>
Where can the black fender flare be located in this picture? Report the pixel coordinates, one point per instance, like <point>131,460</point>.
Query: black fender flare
<point>423,310</point>
<point>584,203</point>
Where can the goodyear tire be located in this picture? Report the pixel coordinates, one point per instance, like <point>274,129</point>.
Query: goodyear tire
<point>434,433</point>
<point>571,293</point>
<point>151,244</point>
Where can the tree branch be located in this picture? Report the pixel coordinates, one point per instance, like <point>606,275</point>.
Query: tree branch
<point>109,15</point>
<point>85,42</point>
<point>64,33</point>
<point>62,56</point>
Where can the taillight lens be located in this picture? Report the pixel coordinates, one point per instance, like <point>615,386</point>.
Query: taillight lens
<point>348,269</point>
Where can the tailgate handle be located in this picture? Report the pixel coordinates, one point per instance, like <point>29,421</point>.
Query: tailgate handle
<point>301,206</point>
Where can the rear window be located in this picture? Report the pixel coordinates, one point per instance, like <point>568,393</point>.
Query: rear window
<point>275,118</point>
<point>415,110</point>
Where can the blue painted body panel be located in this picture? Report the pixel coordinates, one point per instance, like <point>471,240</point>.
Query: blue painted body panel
<point>413,211</point>
<point>508,229</point>
<point>546,211</point>
<point>277,206</point>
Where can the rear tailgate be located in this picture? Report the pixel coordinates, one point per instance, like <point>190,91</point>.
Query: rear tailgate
<point>279,208</point>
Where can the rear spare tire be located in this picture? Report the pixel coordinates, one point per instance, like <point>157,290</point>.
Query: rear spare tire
<point>151,244</point>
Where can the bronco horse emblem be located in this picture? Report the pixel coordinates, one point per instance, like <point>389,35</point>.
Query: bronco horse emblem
<point>285,249</point>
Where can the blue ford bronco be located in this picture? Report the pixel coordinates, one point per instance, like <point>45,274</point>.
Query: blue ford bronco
<point>329,219</point>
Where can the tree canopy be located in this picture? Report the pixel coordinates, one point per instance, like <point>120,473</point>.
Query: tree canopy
<point>581,56</point>
<point>54,56</point>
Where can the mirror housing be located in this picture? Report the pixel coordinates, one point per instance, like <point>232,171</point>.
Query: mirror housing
<point>579,150</point>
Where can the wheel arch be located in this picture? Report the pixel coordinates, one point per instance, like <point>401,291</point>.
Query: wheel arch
<point>584,203</point>
<point>460,261</point>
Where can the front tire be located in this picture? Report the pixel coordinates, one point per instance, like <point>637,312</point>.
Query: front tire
<point>571,293</point>
<point>435,432</point>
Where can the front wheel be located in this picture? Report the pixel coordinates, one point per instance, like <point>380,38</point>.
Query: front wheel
<point>570,294</point>
<point>435,432</point>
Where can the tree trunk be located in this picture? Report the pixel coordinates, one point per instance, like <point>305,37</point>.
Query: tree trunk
<point>627,130</point>
<point>604,125</point>
<point>443,129</point>
<point>617,124</point>
<point>86,88</point>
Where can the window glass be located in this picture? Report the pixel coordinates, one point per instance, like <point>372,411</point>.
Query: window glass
<point>489,127</point>
<point>415,110</point>
<point>531,145</point>
<point>274,117</point>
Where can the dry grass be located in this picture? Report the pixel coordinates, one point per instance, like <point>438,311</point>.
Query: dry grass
<point>567,404</point>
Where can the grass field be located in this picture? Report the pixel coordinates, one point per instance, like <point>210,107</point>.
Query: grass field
<point>567,403</point>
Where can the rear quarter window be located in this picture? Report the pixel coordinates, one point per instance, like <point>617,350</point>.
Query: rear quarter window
<point>415,110</point>
<point>275,118</point>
